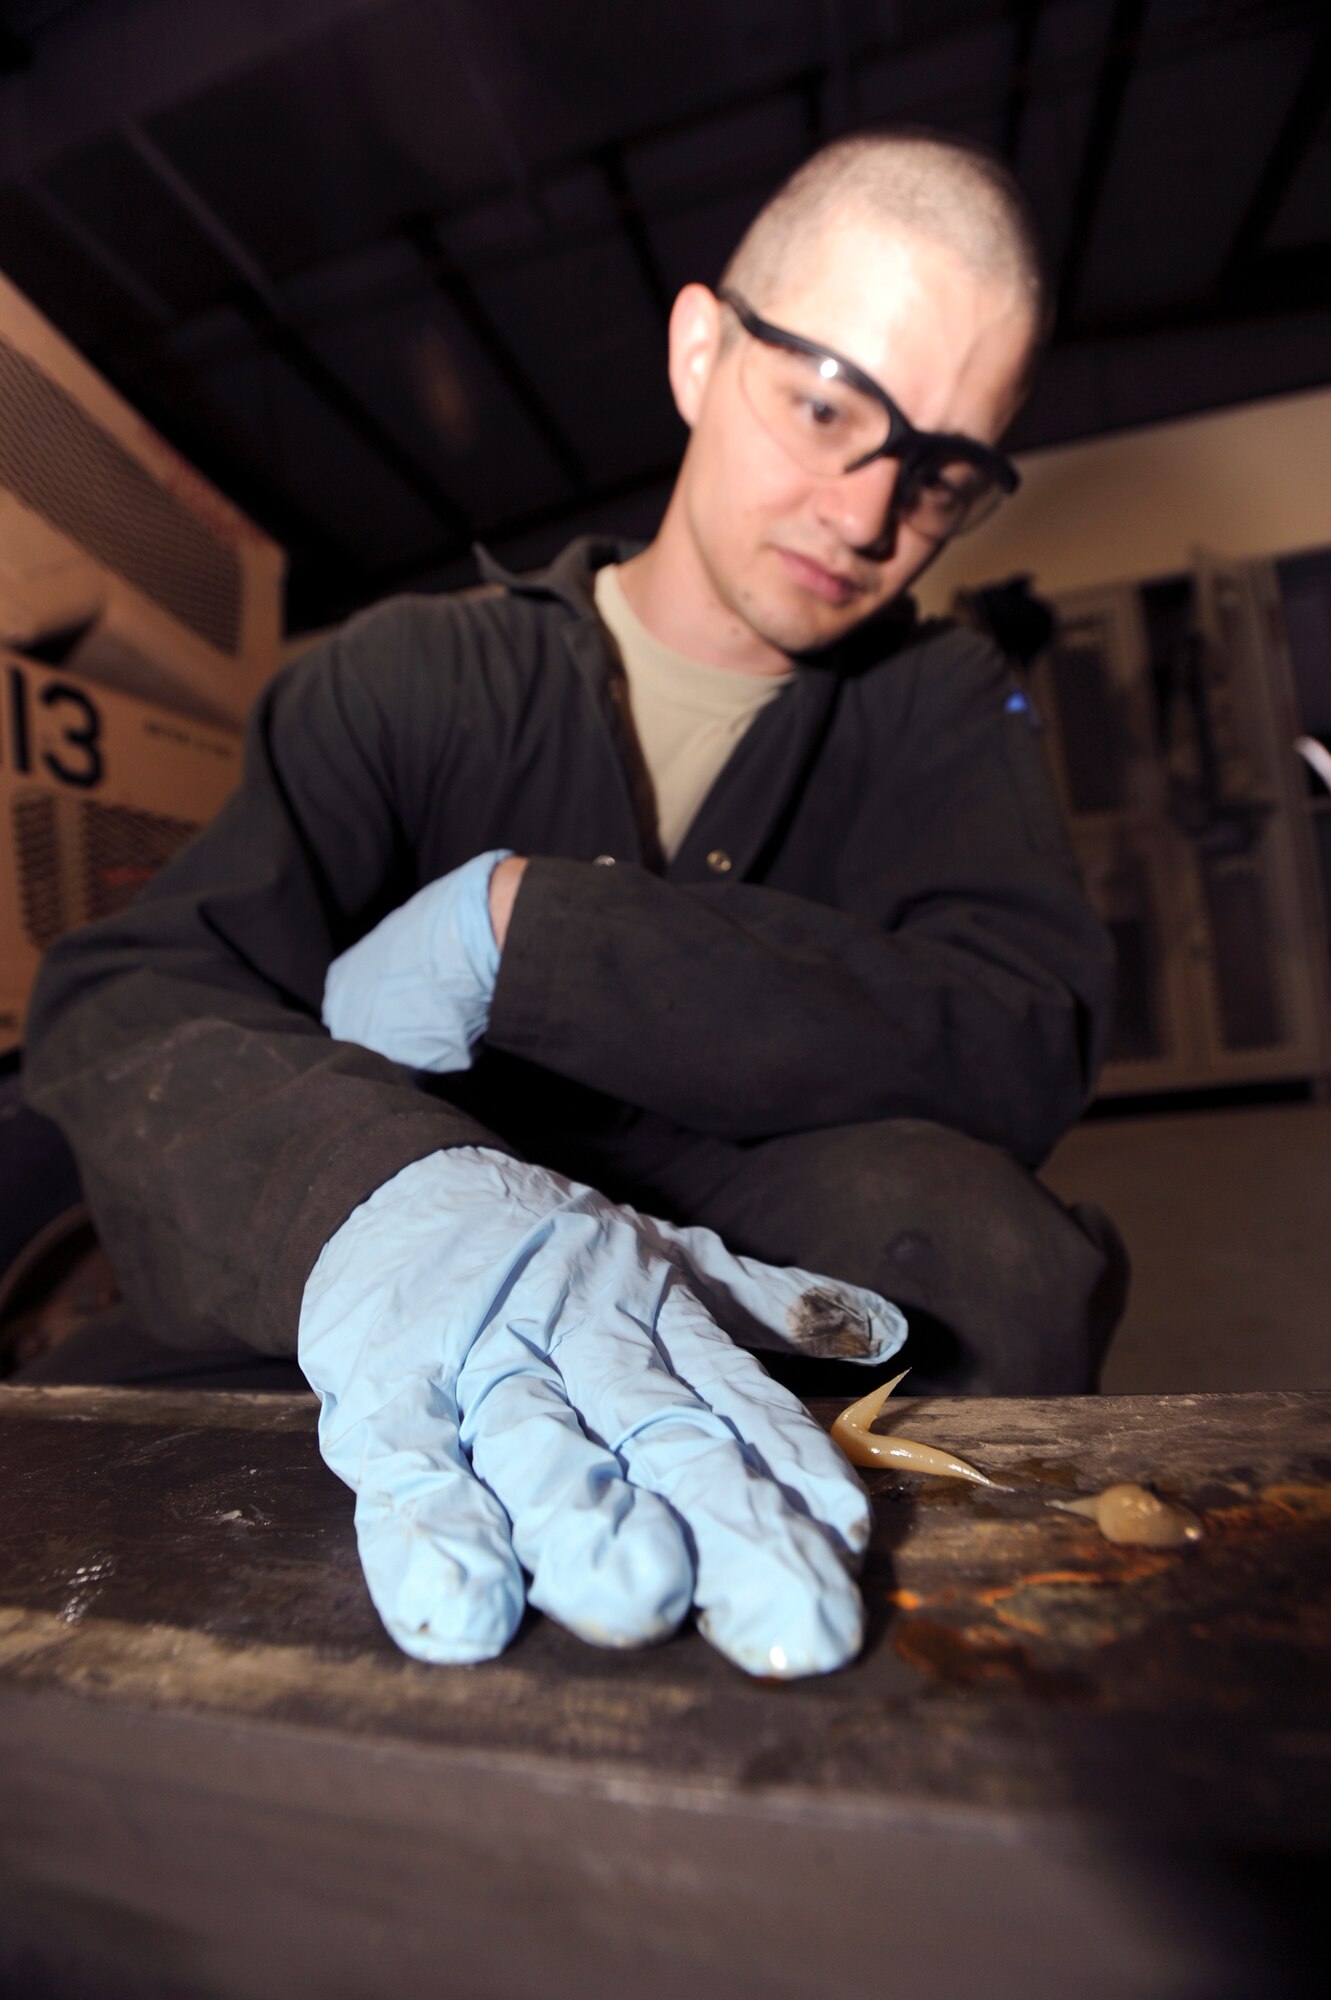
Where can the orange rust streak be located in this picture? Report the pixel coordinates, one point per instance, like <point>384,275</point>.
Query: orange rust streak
<point>1012,1621</point>
<point>1038,1576</point>
<point>1301,1501</point>
<point>941,1650</point>
<point>1278,1509</point>
<point>1126,1568</point>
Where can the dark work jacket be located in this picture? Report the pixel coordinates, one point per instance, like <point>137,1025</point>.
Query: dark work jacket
<point>900,932</point>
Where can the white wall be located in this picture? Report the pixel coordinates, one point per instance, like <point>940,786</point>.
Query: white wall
<point>1251,481</point>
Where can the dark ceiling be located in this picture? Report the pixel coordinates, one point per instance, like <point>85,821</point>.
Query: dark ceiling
<point>395,272</point>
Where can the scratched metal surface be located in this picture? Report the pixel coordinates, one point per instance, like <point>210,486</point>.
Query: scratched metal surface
<point>191,1554</point>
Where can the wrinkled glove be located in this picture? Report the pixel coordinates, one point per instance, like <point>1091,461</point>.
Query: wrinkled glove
<point>418,987</point>
<point>516,1374</point>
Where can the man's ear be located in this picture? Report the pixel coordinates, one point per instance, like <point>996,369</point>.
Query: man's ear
<point>695,340</point>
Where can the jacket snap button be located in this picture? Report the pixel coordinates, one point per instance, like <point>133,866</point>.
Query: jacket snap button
<point>719,861</point>
<point>604,861</point>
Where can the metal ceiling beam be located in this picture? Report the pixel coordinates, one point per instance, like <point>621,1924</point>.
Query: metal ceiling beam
<point>1278,285</point>
<point>1117,62</point>
<point>1284,281</point>
<point>204,217</point>
<point>1025,27</point>
<point>808,86</point>
<point>1297,132</point>
<point>423,236</point>
<point>628,214</point>
<point>565,238</point>
<point>839,94</point>
<point>805,84</point>
<point>261,304</point>
<point>140,56</point>
<point>121,274</point>
<point>1168,41</point>
<point>455,25</point>
<point>15,53</point>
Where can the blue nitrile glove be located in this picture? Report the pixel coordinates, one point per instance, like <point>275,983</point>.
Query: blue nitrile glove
<point>418,987</point>
<point>516,1375</point>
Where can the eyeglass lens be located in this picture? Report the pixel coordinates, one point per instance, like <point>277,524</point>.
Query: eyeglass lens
<point>828,425</point>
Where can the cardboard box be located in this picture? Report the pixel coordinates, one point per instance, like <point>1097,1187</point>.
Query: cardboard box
<point>162,588</point>
<point>97,791</point>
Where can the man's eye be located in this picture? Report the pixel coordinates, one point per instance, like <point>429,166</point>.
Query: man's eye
<point>818,412</point>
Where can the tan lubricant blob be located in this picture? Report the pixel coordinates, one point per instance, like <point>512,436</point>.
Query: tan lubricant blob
<point>1122,1513</point>
<point>1128,1513</point>
<point>851,1431</point>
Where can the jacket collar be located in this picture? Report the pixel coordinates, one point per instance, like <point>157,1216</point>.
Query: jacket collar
<point>760,785</point>
<point>570,578</point>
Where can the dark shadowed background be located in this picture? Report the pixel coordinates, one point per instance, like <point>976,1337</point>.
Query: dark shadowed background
<point>395,273</point>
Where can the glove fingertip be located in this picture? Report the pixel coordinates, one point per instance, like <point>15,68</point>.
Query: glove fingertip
<point>453,1596</point>
<point>451,1643</point>
<point>633,1587</point>
<point>822,1647</point>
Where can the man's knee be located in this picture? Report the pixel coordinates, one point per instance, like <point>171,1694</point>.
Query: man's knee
<point>1006,1291</point>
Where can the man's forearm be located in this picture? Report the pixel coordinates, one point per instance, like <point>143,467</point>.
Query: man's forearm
<point>744,1012</point>
<point>747,1012</point>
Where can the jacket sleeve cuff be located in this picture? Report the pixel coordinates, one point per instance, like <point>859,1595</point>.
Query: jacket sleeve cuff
<point>557,943</point>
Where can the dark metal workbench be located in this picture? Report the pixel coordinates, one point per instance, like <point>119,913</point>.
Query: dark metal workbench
<point>1059,1768</point>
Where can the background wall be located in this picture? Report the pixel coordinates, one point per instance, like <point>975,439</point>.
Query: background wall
<point>1250,481</point>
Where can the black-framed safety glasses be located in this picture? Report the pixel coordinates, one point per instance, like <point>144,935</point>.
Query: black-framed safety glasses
<point>833,418</point>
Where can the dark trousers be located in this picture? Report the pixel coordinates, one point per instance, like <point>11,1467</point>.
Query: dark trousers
<point>1007,1292</point>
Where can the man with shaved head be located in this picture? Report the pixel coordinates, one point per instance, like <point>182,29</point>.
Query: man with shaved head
<point>913,254</point>
<point>673,953</point>
<point>909,183</point>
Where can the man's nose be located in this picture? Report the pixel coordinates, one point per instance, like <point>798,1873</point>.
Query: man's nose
<point>858,507</point>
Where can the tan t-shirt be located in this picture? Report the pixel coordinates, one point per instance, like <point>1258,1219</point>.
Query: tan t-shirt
<point>687,716</point>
